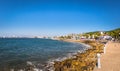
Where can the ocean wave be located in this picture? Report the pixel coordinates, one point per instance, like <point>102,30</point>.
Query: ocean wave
<point>68,56</point>
<point>49,66</point>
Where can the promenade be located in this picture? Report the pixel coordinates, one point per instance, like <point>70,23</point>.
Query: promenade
<point>110,61</point>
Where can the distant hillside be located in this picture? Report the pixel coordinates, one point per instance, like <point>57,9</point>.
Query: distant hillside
<point>114,33</point>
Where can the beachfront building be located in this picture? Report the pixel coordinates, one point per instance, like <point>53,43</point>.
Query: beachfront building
<point>89,37</point>
<point>93,36</point>
<point>75,37</point>
<point>83,37</point>
<point>105,37</point>
<point>102,33</point>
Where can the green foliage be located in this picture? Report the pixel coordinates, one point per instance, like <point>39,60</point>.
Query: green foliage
<point>68,37</point>
<point>97,33</point>
<point>61,37</point>
<point>65,37</point>
<point>114,33</point>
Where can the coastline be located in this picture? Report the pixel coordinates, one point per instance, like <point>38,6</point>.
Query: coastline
<point>85,61</point>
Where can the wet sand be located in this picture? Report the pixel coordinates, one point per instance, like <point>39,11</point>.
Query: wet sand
<point>110,61</point>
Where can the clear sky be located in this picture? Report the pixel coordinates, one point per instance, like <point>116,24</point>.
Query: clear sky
<point>55,17</point>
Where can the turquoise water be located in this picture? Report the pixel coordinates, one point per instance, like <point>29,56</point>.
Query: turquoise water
<point>15,52</point>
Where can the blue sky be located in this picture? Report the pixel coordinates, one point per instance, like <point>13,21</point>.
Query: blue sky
<point>57,17</point>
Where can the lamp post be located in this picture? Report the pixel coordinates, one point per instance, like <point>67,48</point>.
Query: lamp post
<point>105,49</point>
<point>98,60</point>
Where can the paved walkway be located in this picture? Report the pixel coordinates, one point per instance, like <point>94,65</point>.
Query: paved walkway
<point>110,61</point>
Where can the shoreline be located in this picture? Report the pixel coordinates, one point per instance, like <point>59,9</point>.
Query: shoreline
<point>82,61</point>
<point>50,65</point>
<point>79,61</point>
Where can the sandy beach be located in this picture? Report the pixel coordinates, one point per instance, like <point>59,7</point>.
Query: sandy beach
<point>110,61</point>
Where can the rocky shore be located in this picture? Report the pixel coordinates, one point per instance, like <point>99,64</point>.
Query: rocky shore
<point>85,61</point>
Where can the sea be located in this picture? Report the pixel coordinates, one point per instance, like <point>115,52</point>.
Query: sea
<point>17,53</point>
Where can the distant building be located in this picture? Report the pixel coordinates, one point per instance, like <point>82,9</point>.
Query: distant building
<point>105,37</point>
<point>93,36</point>
<point>102,33</point>
<point>83,37</point>
<point>89,37</point>
<point>75,37</point>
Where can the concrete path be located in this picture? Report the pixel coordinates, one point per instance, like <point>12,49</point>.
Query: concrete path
<point>110,61</point>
